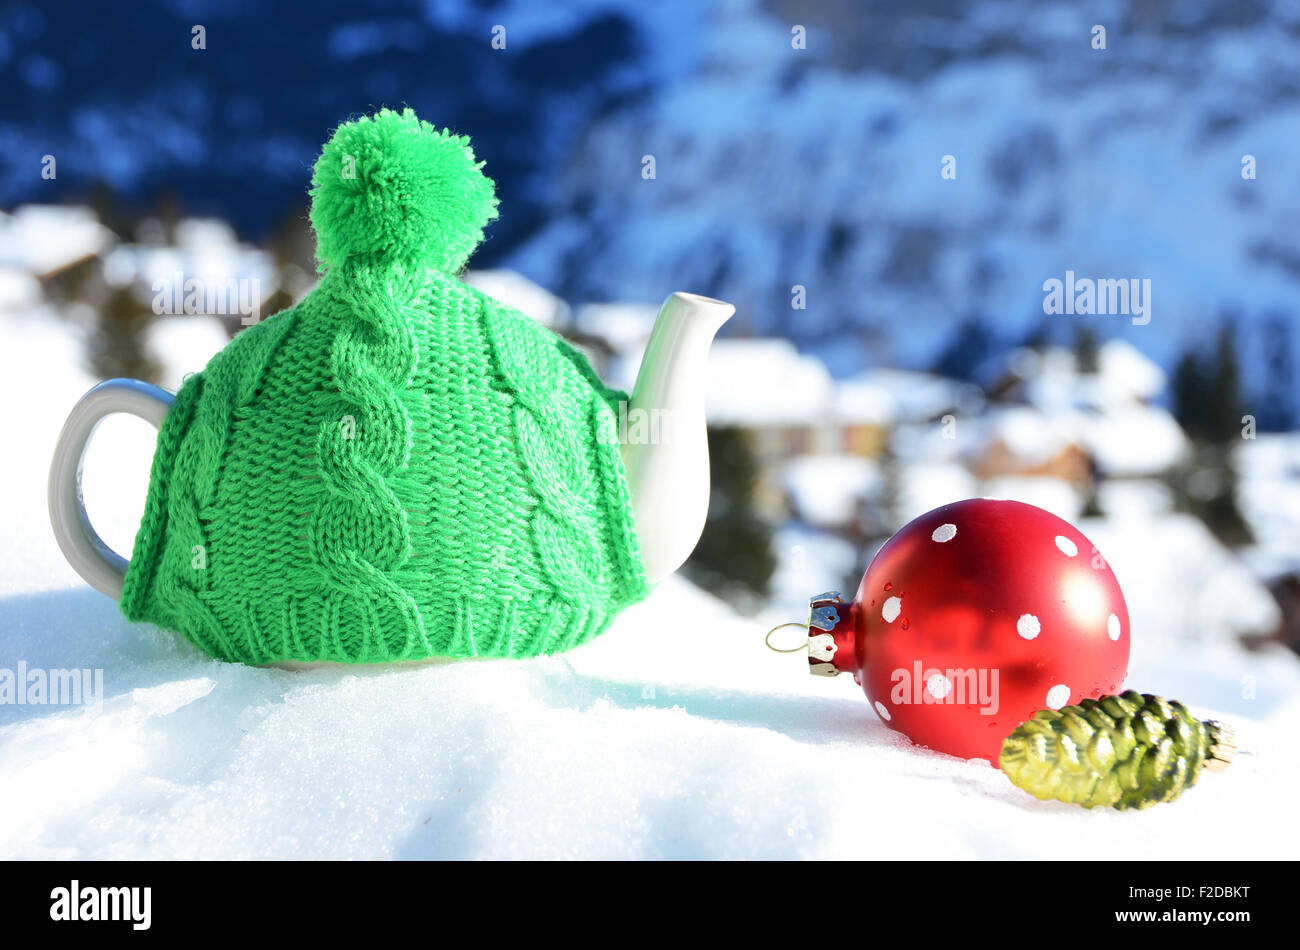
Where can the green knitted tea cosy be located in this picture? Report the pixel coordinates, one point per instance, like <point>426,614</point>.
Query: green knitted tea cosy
<point>399,466</point>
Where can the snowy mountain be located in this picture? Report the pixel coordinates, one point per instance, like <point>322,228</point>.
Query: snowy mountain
<point>779,168</point>
<point>774,166</point>
<point>232,129</point>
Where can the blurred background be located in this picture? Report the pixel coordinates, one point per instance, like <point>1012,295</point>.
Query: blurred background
<point>882,189</point>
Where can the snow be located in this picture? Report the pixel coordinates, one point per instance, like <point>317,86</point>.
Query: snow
<point>925,485</point>
<point>864,401</point>
<point>42,239</point>
<point>1052,381</point>
<point>1134,498</point>
<point>1134,440</point>
<point>910,396</point>
<point>515,290</point>
<point>626,328</point>
<point>1218,598</point>
<point>19,289</point>
<point>826,490</point>
<point>1031,436</point>
<point>765,382</point>
<point>1126,372</point>
<point>1269,485</point>
<point>808,561</point>
<point>1051,494</point>
<point>674,735</point>
<point>184,344</point>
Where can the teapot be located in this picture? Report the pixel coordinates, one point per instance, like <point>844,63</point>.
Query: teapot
<point>400,467</point>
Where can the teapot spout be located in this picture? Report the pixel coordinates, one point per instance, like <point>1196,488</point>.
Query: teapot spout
<point>663,439</point>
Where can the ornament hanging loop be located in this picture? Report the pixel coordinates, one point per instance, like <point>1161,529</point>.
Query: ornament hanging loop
<point>781,626</point>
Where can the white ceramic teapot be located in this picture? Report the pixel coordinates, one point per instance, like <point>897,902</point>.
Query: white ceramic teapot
<point>667,472</point>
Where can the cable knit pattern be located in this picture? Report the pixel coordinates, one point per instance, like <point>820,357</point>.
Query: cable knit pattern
<point>187,462</point>
<point>398,467</point>
<point>562,527</point>
<point>360,531</point>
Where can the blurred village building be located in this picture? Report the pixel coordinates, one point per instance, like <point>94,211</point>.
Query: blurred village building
<point>840,463</point>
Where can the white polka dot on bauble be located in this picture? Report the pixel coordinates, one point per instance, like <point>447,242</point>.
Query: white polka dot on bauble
<point>1058,696</point>
<point>1028,626</point>
<point>884,713</point>
<point>938,686</point>
<point>890,610</point>
<point>945,532</point>
<point>1112,626</point>
<point>1068,547</point>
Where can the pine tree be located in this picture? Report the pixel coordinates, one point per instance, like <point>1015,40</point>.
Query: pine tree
<point>1277,412</point>
<point>1040,335</point>
<point>1225,381</point>
<point>109,209</point>
<point>1086,356</point>
<point>969,347</point>
<point>1190,392</point>
<point>1092,497</point>
<point>734,556</point>
<point>1208,405</point>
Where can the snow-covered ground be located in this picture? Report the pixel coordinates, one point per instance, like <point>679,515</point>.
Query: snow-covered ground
<point>676,734</point>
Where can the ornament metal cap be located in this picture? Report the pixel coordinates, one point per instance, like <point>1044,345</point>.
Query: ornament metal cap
<point>830,635</point>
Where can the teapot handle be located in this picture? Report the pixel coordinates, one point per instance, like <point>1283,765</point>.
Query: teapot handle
<point>98,564</point>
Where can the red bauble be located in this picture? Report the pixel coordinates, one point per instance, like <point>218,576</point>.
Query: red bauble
<point>972,618</point>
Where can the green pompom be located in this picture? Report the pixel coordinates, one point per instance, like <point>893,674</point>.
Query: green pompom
<point>1125,751</point>
<point>394,189</point>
